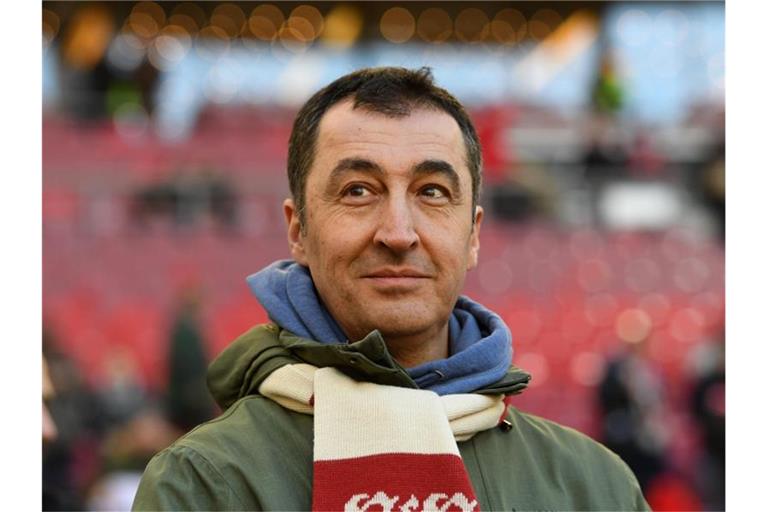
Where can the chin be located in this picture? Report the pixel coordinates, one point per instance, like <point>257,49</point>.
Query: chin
<point>408,320</point>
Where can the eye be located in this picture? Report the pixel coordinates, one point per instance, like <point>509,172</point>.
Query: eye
<point>434,192</point>
<point>358,194</point>
<point>357,191</point>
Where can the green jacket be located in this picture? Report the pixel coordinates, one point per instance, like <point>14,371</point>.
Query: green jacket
<point>258,455</point>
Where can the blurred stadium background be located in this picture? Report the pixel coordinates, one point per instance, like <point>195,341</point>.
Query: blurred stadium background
<point>165,129</point>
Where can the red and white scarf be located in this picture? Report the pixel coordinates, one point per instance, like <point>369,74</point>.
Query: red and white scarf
<point>385,447</point>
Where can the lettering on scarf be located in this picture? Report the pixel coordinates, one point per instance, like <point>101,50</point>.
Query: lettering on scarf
<point>438,502</point>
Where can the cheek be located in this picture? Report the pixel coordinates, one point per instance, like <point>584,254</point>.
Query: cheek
<point>331,251</point>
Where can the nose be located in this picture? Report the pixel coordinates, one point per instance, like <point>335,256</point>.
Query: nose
<point>396,229</point>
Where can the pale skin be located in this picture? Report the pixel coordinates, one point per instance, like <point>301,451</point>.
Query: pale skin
<point>390,231</point>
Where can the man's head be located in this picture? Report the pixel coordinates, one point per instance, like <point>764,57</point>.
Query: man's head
<point>384,215</point>
<point>389,91</point>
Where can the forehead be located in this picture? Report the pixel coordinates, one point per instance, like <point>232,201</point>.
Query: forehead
<point>395,143</point>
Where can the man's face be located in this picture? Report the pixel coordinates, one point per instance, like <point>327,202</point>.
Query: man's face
<point>389,234</point>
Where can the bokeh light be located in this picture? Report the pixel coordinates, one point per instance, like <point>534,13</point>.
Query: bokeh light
<point>712,306</point>
<point>434,25</point>
<point>343,26</point>
<point>228,17</point>
<point>126,52</point>
<point>296,34</point>
<point>691,274</point>
<point>543,22</point>
<point>222,82</point>
<point>211,43</point>
<point>146,19</point>
<point>671,26</point>
<point>575,328</point>
<point>633,325</point>
<point>313,17</point>
<point>600,309</point>
<point>130,37</point>
<point>397,25</point>
<point>587,368</point>
<point>265,22</point>
<point>540,275</point>
<point>495,276</point>
<point>687,325</point>
<point>594,274</point>
<point>633,27</point>
<point>642,274</point>
<point>509,26</point>
<point>540,245</point>
<point>585,243</point>
<point>142,24</point>
<point>169,47</point>
<point>657,306</point>
<point>88,36</point>
<point>185,21</point>
<point>151,9</point>
<point>472,25</point>
<point>192,11</point>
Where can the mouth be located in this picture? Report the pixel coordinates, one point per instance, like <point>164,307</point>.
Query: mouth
<point>397,278</point>
<point>397,273</point>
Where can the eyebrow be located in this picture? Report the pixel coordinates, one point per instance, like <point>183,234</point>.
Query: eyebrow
<point>424,168</point>
<point>354,164</point>
<point>441,167</point>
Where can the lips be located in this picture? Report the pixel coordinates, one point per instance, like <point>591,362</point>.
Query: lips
<point>395,273</point>
<point>397,280</point>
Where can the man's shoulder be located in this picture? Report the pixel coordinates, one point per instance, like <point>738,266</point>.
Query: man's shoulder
<point>566,454</point>
<point>557,465</point>
<point>239,460</point>
<point>534,425</point>
<point>253,424</point>
<point>564,443</point>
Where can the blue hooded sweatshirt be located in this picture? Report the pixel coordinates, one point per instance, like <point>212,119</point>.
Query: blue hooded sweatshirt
<point>480,342</point>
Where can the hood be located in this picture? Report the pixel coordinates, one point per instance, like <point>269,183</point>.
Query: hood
<point>480,342</point>
<point>241,368</point>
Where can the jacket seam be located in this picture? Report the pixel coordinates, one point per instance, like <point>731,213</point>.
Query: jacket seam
<point>491,505</point>
<point>214,470</point>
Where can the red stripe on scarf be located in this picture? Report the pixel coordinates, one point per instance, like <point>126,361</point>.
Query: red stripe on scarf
<point>393,481</point>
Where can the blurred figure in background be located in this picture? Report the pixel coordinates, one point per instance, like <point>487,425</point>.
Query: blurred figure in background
<point>188,402</point>
<point>71,459</point>
<point>186,200</point>
<point>605,157</point>
<point>707,404</point>
<point>711,186</point>
<point>607,90</point>
<point>125,451</point>
<point>635,416</point>
<point>631,399</point>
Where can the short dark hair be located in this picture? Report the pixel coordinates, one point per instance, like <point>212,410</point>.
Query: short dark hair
<point>390,91</point>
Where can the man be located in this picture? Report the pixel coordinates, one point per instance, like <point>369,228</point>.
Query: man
<point>377,385</point>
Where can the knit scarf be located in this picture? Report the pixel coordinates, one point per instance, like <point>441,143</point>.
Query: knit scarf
<point>480,342</point>
<point>381,446</point>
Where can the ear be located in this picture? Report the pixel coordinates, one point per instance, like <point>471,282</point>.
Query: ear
<point>474,239</point>
<point>295,236</point>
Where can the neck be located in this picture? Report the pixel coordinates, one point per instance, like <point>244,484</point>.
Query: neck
<point>414,349</point>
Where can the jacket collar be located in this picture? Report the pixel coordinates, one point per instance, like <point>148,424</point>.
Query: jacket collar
<point>243,365</point>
